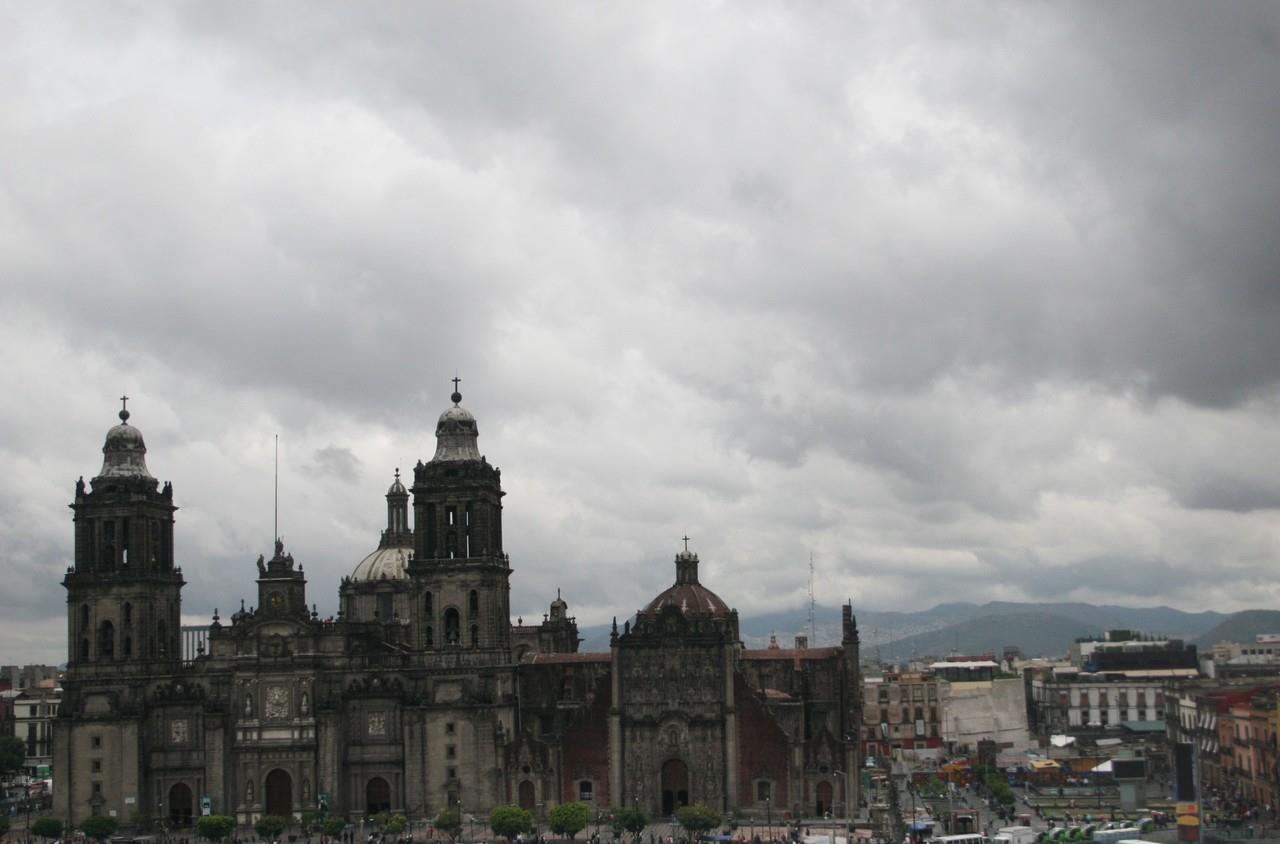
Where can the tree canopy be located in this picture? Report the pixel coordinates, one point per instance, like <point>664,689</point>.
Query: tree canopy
<point>270,826</point>
<point>632,819</point>
<point>334,826</point>
<point>99,827</point>
<point>13,754</point>
<point>449,822</point>
<point>569,818</point>
<point>698,818</point>
<point>509,821</point>
<point>215,827</point>
<point>47,827</point>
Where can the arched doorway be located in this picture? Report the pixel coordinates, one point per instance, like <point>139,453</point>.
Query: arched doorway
<point>181,805</point>
<point>824,798</point>
<point>377,796</point>
<point>278,790</point>
<point>675,785</point>
<point>527,799</point>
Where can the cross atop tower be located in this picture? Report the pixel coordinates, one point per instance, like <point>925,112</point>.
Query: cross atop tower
<point>456,397</point>
<point>124,402</point>
<point>686,541</point>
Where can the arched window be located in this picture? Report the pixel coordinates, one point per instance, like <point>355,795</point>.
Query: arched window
<point>452,627</point>
<point>451,544</point>
<point>475,635</point>
<point>473,604</point>
<point>107,640</point>
<point>429,605</point>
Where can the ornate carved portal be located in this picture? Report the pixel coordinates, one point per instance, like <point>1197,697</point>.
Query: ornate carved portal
<point>180,805</point>
<point>675,785</point>
<point>278,788</point>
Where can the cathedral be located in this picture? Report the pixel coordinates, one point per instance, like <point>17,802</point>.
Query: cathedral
<point>421,694</point>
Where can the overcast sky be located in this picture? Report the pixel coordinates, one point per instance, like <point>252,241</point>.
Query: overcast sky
<point>970,301</point>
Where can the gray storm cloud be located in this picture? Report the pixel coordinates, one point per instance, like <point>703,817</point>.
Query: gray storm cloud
<point>969,302</point>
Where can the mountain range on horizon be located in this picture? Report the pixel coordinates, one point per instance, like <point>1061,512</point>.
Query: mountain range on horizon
<point>1037,629</point>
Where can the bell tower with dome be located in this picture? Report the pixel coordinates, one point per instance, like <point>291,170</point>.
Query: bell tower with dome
<point>459,571</point>
<point>123,591</point>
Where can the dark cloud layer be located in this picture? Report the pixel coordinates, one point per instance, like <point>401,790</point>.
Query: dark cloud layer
<point>970,302</point>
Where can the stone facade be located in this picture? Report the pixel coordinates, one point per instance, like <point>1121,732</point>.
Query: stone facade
<point>421,694</point>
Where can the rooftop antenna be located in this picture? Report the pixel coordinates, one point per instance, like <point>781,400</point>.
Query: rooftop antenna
<point>813,635</point>
<point>275,524</point>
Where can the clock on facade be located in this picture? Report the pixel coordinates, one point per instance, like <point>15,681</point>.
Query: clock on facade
<point>276,600</point>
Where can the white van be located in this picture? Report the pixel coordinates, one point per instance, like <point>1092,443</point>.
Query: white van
<point>1015,835</point>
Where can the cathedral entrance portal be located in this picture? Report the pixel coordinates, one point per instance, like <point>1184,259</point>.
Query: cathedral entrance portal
<point>824,798</point>
<point>675,785</point>
<point>180,805</point>
<point>526,796</point>
<point>378,796</point>
<point>278,789</point>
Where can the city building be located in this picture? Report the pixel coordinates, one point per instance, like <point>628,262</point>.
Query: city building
<point>902,716</point>
<point>34,712</point>
<point>421,694</point>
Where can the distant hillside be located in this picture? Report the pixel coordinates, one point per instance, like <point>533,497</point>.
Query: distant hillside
<point>1241,627</point>
<point>1039,629</point>
<point>1036,633</point>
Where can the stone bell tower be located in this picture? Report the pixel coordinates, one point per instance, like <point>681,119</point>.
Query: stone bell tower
<point>124,608</point>
<point>459,569</point>
<point>123,592</point>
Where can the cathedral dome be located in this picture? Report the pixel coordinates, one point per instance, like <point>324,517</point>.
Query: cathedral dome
<point>397,487</point>
<point>687,594</point>
<point>456,433</point>
<point>387,563</point>
<point>124,453</point>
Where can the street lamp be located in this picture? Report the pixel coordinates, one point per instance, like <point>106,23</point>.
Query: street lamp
<point>768,810</point>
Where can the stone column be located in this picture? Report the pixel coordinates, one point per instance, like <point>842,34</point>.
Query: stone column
<point>730,733</point>
<point>616,784</point>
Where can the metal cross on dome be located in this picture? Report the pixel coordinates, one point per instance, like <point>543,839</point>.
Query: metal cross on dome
<point>686,541</point>
<point>124,402</point>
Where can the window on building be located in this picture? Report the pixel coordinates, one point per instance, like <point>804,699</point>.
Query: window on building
<point>473,603</point>
<point>450,752</point>
<point>764,790</point>
<point>429,605</point>
<point>95,742</point>
<point>106,640</point>
<point>449,728</point>
<point>95,766</point>
<point>452,627</point>
<point>429,635</point>
<point>585,791</point>
<point>452,773</point>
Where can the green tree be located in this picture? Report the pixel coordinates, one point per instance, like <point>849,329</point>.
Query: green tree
<point>46,827</point>
<point>569,818</point>
<point>697,818</point>
<point>395,825</point>
<point>99,827</point>
<point>509,821</point>
<point>633,819</point>
<point>13,755</point>
<point>270,826</point>
<point>215,827</point>
<point>449,822</point>
<point>333,827</point>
